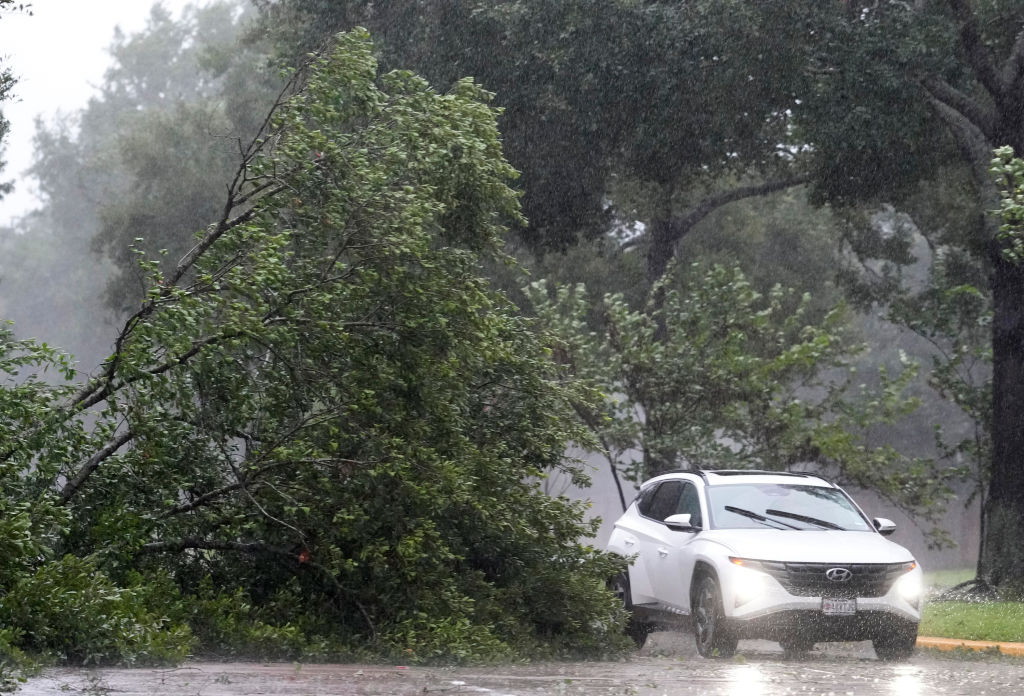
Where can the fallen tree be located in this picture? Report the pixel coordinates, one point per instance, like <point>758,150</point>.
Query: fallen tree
<point>322,432</point>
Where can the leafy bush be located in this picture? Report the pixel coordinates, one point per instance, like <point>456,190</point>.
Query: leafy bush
<point>71,610</point>
<point>227,623</point>
<point>14,663</point>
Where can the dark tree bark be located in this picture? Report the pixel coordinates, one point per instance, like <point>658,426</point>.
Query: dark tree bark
<point>1002,559</point>
<point>979,125</point>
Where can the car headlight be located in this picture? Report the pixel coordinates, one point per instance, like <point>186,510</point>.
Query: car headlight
<point>910,587</point>
<point>748,584</point>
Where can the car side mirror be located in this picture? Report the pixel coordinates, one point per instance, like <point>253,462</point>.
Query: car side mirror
<point>680,523</point>
<point>885,527</point>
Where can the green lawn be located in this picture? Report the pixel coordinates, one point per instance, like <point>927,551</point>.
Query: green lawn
<point>974,621</point>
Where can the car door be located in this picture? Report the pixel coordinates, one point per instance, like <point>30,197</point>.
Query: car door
<point>625,540</point>
<point>655,539</point>
<point>667,554</point>
<point>677,553</point>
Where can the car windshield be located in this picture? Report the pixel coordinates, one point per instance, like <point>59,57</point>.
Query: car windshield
<point>782,506</point>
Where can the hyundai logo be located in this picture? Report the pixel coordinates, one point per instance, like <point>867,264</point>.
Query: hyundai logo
<point>838,574</point>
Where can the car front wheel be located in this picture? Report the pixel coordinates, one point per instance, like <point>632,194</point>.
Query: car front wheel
<point>895,646</point>
<point>713,638</point>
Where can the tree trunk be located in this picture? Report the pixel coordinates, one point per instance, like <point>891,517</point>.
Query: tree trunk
<point>1001,551</point>
<point>1002,561</point>
<point>663,236</point>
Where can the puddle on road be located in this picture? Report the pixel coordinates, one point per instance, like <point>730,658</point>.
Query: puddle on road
<point>668,668</point>
<point>907,681</point>
<point>746,680</point>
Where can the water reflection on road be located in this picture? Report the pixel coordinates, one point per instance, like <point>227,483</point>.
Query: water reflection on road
<point>668,666</point>
<point>907,681</point>
<point>745,680</point>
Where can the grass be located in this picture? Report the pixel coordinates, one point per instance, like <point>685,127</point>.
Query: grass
<point>1001,621</point>
<point>997,621</point>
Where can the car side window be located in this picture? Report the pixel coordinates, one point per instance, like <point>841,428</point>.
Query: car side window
<point>689,503</point>
<point>643,503</point>
<point>665,500</point>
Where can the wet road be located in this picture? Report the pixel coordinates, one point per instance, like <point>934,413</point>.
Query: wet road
<point>668,666</point>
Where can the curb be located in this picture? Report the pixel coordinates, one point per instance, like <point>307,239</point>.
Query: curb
<point>1015,649</point>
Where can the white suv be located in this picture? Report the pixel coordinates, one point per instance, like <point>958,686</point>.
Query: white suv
<point>756,554</point>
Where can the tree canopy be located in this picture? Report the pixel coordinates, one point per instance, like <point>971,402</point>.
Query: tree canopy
<point>907,92</point>
<point>585,101</point>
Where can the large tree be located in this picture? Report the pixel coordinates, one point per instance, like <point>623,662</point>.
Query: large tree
<point>323,405</point>
<point>868,100</point>
<point>901,90</point>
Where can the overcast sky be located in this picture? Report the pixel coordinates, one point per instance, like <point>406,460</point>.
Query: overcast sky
<point>59,55</point>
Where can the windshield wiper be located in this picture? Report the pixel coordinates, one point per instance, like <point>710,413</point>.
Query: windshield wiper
<point>804,518</point>
<point>755,516</point>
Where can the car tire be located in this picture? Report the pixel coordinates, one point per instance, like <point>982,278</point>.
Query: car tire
<point>636,630</point>
<point>795,646</point>
<point>896,646</point>
<point>713,637</point>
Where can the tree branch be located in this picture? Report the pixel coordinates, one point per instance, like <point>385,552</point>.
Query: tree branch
<point>98,388</point>
<point>91,464</point>
<point>974,146</point>
<point>250,478</point>
<point>981,116</point>
<point>712,203</point>
<point>95,390</point>
<point>216,232</point>
<point>663,243</point>
<point>592,423</point>
<point>1013,68</point>
<point>978,55</point>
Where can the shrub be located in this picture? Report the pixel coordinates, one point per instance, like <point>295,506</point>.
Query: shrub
<point>71,610</point>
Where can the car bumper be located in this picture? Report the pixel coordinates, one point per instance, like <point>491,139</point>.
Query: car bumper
<point>788,603</point>
<point>759,606</point>
<point>816,627</point>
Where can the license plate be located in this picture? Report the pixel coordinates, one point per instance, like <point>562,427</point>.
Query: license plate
<point>838,607</point>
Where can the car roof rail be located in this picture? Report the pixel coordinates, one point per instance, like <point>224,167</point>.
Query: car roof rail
<point>763,472</point>
<point>699,472</point>
<point>703,473</point>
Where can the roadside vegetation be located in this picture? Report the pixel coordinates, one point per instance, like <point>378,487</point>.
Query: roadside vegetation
<point>947,615</point>
<point>996,621</point>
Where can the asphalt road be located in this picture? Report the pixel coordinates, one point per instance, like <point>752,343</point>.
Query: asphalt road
<point>667,666</point>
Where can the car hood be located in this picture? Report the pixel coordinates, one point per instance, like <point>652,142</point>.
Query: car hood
<point>809,546</point>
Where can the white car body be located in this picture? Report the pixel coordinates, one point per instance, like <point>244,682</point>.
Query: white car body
<point>770,579</point>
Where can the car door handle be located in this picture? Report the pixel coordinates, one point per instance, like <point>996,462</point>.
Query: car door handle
<point>629,542</point>
<point>662,551</point>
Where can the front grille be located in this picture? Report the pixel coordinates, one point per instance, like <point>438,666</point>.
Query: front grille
<point>809,579</point>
